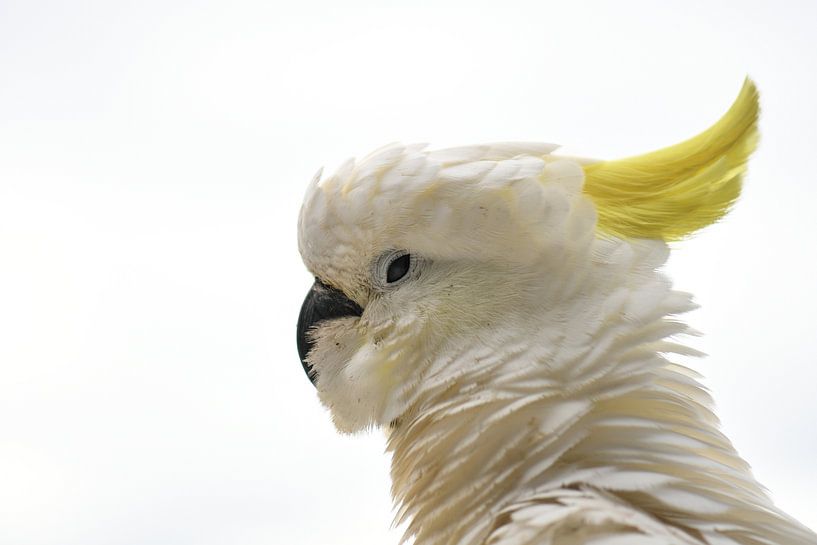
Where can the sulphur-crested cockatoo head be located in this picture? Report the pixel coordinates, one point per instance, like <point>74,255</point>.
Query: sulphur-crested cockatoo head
<point>421,255</point>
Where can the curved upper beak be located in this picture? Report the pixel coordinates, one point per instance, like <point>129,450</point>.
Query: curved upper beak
<point>321,303</point>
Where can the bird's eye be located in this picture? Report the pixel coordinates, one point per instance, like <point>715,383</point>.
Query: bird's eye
<point>398,268</point>
<point>394,267</point>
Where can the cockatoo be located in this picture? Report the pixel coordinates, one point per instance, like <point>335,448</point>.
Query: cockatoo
<point>499,312</point>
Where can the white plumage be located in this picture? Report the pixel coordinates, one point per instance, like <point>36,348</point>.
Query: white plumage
<point>521,368</point>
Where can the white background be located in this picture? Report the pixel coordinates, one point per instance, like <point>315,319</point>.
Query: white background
<point>153,156</point>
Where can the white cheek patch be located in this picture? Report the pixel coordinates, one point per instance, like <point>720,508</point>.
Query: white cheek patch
<point>346,384</point>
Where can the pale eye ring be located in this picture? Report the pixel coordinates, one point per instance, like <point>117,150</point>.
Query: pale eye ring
<point>394,267</point>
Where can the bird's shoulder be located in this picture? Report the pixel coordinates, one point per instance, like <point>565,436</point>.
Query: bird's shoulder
<point>582,516</point>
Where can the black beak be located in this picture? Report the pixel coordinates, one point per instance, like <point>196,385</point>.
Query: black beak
<point>321,303</point>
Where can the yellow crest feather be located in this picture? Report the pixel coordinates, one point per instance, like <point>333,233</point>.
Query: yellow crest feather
<point>670,193</point>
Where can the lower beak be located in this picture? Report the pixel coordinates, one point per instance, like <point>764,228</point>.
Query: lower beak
<point>321,303</point>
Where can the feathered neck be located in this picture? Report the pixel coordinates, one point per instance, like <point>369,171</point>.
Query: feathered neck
<point>585,398</point>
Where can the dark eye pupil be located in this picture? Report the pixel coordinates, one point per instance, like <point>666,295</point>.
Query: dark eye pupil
<point>398,268</point>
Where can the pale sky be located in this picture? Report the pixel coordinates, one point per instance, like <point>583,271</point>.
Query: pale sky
<point>153,156</point>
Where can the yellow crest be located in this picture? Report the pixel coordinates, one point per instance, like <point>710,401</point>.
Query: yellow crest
<point>672,192</point>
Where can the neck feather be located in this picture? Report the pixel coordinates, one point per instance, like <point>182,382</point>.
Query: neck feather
<point>510,416</point>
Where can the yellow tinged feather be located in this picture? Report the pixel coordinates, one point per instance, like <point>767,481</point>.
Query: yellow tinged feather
<point>670,193</point>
